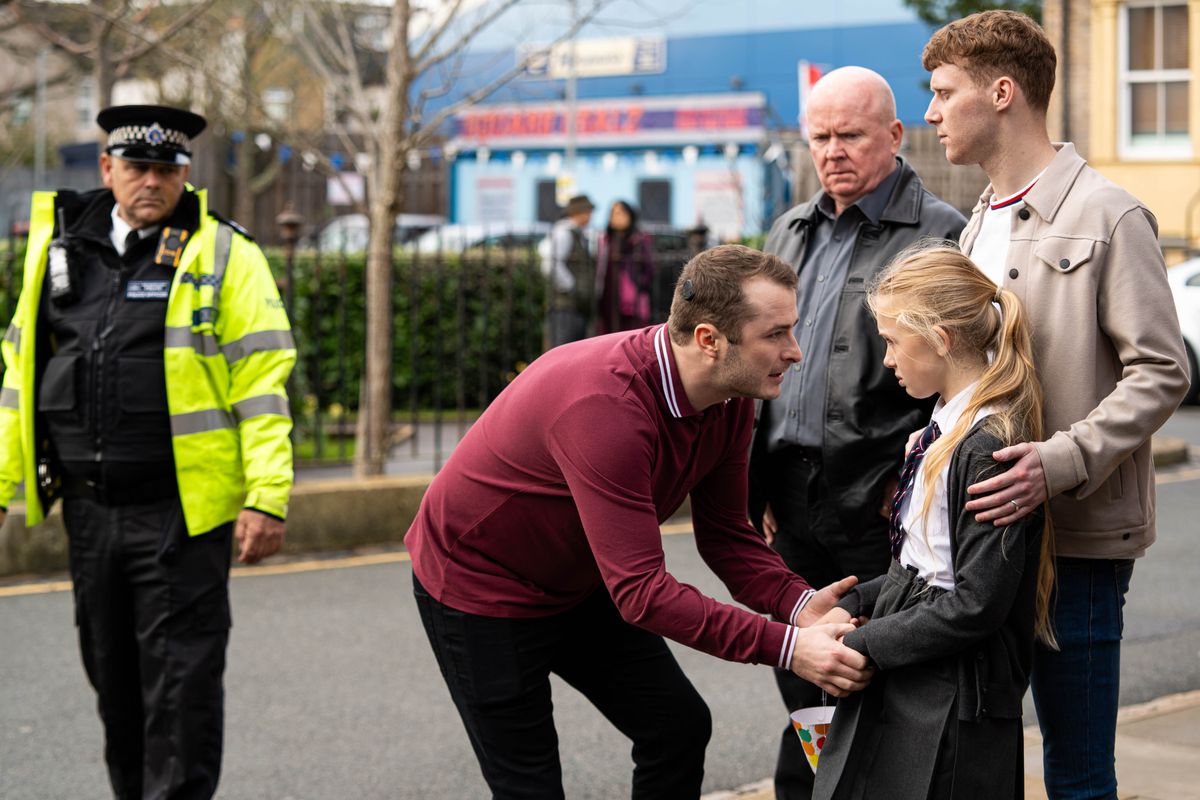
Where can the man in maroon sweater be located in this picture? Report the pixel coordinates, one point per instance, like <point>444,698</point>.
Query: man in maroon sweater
<point>537,547</point>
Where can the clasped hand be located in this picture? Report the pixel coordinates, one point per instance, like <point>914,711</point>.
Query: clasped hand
<point>819,656</point>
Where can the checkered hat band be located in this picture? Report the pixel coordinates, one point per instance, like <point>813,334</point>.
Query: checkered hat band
<point>152,135</point>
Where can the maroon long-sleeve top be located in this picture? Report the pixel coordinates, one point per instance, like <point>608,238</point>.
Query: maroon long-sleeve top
<point>561,485</point>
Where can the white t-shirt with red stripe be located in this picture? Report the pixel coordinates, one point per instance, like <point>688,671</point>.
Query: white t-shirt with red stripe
<point>990,249</point>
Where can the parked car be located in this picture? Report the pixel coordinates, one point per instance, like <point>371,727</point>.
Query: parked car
<point>458,238</point>
<point>348,233</point>
<point>1184,280</point>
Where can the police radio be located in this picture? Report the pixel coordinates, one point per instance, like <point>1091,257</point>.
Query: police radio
<point>62,283</point>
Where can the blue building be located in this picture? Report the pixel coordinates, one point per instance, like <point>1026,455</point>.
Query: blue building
<point>688,127</point>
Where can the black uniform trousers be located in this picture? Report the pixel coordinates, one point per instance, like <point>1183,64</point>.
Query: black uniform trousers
<point>152,607</point>
<point>817,546</point>
<point>498,672</point>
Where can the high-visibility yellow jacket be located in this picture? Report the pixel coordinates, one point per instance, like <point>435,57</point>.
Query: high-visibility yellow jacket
<point>227,356</point>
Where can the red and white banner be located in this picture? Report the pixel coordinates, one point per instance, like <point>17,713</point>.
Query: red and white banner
<point>806,76</point>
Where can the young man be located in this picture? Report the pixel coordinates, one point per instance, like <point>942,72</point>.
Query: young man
<point>829,448</point>
<point>1083,256</point>
<point>537,547</point>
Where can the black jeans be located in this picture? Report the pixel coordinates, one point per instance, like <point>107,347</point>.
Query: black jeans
<point>152,606</point>
<point>815,545</point>
<point>498,672</point>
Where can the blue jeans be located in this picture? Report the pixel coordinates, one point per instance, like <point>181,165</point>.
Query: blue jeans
<point>1075,689</point>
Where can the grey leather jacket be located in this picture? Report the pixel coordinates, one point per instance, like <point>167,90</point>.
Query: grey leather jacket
<point>868,416</point>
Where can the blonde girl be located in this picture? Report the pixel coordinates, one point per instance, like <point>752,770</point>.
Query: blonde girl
<point>952,624</point>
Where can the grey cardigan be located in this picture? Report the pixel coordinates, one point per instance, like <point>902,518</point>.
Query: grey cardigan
<point>986,621</point>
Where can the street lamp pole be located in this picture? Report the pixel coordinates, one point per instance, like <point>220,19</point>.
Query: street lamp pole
<point>571,94</point>
<point>289,222</point>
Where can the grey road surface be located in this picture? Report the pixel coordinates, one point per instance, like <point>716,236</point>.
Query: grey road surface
<point>332,691</point>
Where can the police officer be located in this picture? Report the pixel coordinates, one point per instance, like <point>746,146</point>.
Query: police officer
<point>146,366</point>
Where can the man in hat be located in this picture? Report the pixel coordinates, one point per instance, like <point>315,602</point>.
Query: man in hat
<point>146,365</point>
<point>569,269</point>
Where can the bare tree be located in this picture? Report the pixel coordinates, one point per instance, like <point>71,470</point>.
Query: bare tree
<point>225,63</point>
<point>212,55</point>
<point>105,38</point>
<point>386,124</point>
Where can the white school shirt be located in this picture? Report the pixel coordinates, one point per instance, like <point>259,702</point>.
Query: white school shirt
<point>990,250</point>
<point>120,231</point>
<point>927,542</point>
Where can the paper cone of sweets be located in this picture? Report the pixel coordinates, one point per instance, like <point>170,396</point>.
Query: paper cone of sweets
<point>811,725</point>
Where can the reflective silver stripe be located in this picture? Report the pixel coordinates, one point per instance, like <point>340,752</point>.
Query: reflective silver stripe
<point>201,421</point>
<point>198,280</point>
<point>221,254</point>
<point>13,335</point>
<point>183,336</point>
<point>257,343</point>
<point>10,397</point>
<point>263,404</point>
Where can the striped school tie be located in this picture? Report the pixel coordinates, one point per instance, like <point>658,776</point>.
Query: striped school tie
<point>908,475</point>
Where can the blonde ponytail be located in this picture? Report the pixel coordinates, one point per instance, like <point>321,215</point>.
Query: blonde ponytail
<point>935,286</point>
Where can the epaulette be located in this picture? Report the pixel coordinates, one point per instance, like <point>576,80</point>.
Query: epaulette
<point>231,224</point>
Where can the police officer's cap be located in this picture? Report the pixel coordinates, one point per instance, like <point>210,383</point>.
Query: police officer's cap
<point>150,133</point>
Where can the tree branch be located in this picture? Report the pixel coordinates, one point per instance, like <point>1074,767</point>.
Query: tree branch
<point>353,75</point>
<point>424,62</point>
<point>433,37</point>
<point>486,91</point>
<point>47,34</point>
<point>134,53</point>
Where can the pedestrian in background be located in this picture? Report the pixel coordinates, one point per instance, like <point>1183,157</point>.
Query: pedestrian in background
<point>624,272</point>
<point>570,273</point>
<point>952,622</point>
<point>144,384</point>
<point>828,449</point>
<point>1082,255</point>
<point>537,548</point>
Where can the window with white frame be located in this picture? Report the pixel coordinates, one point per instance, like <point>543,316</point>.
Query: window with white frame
<point>1154,80</point>
<point>85,105</point>
<point>277,105</point>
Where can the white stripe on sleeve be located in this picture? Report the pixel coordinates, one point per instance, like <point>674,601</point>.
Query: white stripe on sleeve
<point>789,644</point>
<point>800,604</point>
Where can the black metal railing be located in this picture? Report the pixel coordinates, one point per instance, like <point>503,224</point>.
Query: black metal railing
<point>466,323</point>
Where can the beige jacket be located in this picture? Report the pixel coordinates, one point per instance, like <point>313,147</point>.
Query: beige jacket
<point>1085,261</point>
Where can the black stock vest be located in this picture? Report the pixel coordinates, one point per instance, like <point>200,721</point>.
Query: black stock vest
<point>102,390</point>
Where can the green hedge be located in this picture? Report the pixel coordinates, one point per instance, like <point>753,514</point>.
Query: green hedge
<point>464,326</point>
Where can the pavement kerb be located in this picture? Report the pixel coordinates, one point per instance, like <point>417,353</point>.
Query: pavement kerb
<point>1161,706</point>
<point>324,516</point>
<point>1169,450</point>
<point>343,514</point>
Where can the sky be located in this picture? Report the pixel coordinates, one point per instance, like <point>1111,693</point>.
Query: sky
<point>541,21</point>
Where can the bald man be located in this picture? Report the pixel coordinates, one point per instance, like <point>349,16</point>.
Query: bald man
<point>827,452</point>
